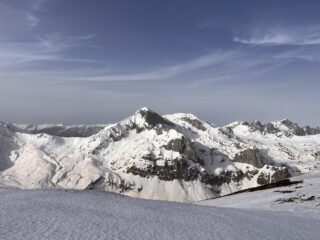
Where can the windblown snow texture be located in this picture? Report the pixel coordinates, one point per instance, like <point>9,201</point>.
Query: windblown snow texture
<point>54,214</point>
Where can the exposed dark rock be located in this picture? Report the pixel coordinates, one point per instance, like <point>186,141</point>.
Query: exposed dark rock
<point>195,123</point>
<point>311,131</point>
<point>177,145</point>
<point>223,177</point>
<point>250,156</point>
<point>280,174</point>
<point>293,128</point>
<point>251,174</point>
<point>284,191</point>
<point>186,147</point>
<point>153,118</point>
<point>159,130</point>
<point>263,179</point>
<point>316,154</point>
<point>256,126</point>
<point>178,169</point>
<point>298,199</point>
<point>287,200</point>
<point>269,128</point>
<point>101,183</point>
<point>282,183</point>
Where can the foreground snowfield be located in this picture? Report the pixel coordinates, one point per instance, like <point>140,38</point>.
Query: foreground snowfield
<point>58,214</point>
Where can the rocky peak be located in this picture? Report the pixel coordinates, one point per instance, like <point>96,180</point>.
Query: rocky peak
<point>195,122</point>
<point>146,117</point>
<point>289,128</point>
<point>283,127</point>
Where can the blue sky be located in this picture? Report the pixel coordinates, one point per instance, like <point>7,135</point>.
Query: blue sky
<point>96,61</point>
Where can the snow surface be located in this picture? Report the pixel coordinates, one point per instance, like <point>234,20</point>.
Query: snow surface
<point>58,214</point>
<point>300,198</point>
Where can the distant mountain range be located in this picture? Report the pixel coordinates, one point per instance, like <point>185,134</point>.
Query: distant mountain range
<point>173,157</point>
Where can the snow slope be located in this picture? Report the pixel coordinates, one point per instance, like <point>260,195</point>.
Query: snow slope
<point>303,197</point>
<point>174,157</point>
<point>56,214</point>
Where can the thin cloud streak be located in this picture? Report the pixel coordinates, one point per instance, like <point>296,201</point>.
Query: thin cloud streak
<point>32,20</point>
<point>275,37</point>
<point>209,60</point>
<point>172,71</point>
<point>48,48</point>
<point>221,66</point>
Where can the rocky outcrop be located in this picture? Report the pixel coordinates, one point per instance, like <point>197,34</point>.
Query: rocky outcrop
<point>277,175</point>
<point>224,177</point>
<point>186,147</point>
<point>250,156</point>
<point>280,174</point>
<point>176,169</point>
<point>311,131</point>
<point>152,118</point>
<point>195,123</point>
<point>285,127</point>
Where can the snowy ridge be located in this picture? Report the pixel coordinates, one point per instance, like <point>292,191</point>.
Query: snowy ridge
<point>59,130</point>
<point>174,157</point>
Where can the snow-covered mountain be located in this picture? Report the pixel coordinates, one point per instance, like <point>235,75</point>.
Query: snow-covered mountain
<point>59,130</point>
<point>173,157</point>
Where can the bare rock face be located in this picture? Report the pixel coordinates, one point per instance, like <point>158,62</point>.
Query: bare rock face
<point>292,128</point>
<point>250,156</point>
<point>280,173</point>
<point>184,146</point>
<point>195,123</point>
<point>152,118</point>
<point>311,131</point>
<point>7,145</point>
<point>222,178</point>
<point>177,169</point>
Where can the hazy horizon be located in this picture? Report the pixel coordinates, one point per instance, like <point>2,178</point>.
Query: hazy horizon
<point>89,62</point>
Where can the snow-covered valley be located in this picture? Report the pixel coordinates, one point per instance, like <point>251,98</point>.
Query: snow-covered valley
<point>175,157</point>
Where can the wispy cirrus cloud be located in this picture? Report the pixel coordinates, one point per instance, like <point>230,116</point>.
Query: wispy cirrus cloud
<point>32,20</point>
<point>218,66</point>
<point>38,5</point>
<point>25,15</point>
<point>201,62</point>
<point>302,36</point>
<point>205,61</point>
<point>51,47</point>
<point>31,13</point>
<point>55,42</point>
